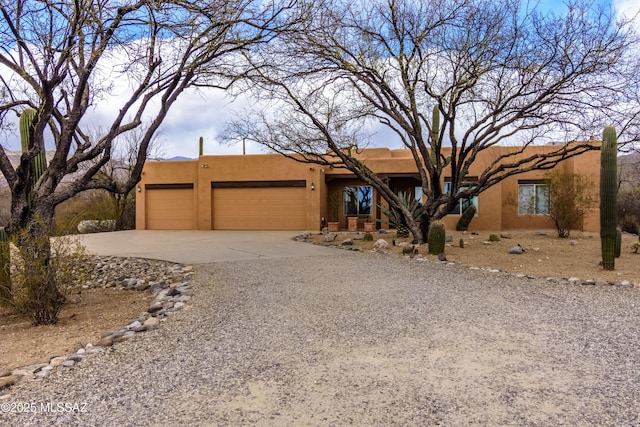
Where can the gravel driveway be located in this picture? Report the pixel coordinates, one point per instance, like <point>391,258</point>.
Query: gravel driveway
<point>365,339</point>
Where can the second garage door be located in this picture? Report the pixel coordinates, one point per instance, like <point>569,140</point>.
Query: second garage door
<point>279,208</point>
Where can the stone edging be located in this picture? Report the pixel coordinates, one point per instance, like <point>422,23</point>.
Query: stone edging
<point>172,293</point>
<point>573,280</point>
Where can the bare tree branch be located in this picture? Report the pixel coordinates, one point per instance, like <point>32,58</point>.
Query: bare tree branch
<point>499,73</point>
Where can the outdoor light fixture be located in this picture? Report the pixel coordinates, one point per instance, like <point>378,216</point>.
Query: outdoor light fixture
<point>139,189</point>
<point>313,187</point>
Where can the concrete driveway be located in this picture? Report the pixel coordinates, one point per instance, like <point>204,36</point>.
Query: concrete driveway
<point>200,247</point>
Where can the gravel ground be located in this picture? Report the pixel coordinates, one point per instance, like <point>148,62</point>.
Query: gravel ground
<point>364,339</point>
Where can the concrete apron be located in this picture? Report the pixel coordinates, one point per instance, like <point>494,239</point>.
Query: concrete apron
<point>200,247</point>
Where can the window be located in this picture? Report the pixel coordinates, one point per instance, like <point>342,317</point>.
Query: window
<point>418,193</point>
<point>463,203</point>
<point>358,200</point>
<point>533,198</point>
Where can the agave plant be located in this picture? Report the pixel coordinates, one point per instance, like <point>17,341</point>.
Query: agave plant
<point>396,219</point>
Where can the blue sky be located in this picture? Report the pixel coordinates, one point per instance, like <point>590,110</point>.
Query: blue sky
<point>205,113</point>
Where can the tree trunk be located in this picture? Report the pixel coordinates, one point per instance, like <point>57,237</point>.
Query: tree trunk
<point>425,221</point>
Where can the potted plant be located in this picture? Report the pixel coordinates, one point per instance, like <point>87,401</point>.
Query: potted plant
<point>369,224</point>
<point>334,205</point>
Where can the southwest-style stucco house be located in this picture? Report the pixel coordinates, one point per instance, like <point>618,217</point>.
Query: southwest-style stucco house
<point>272,192</point>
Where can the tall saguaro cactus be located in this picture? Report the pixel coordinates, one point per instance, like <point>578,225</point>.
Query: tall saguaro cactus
<point>435,138</point>
<point>201,144</point>
<point>28,120</point>
<point>608,195</point>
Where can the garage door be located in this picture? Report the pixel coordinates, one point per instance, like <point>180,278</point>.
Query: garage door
<point>280,208</point>
<point>169,208</point>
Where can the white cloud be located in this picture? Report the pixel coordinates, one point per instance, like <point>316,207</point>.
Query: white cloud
<point>629,9</point>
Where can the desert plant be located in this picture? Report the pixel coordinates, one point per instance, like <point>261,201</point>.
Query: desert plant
<point>494,238</point>
<point>334,205</point>
<point>435,138</point>
<point>628,209</point>
<point>31,276</point>
<point>200,146</point>
<point>28,119</point>
<point>635,246</point>
<point>396,219</point>
<point>368,237</point>
<point>89,205</point>
<point>461,244</point>
<point>608,194</point>
<point>465,218</point>
<point>618,246</point>
<point>570,198</point>
<point>437,237</point>
<point>5,265</point>
<point>408,250</point>
<point>5,208</point>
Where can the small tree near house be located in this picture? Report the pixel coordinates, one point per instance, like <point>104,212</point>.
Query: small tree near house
<point>570,198</point>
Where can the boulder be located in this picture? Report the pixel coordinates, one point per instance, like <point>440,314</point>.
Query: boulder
<point>380,244</point>
<point>330,237</point>
<point>96,226</point>
<point>9,381</point>
<point>517,250</point>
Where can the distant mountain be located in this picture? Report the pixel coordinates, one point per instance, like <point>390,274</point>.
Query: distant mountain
<point>179,158</point>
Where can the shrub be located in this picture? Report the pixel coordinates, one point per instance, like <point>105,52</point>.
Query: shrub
<point>39,286</point>
<point>87,205</point>
<point>628,207</point>
<point>494,238</point>
<point>570,198</point>
<point>368,237</point>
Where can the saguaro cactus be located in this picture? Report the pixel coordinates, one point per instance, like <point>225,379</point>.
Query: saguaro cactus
<point>435,138</point>
<point>437,237</point>
<point>201,143</point>
<point>28,119</point>
<point>608,195</point>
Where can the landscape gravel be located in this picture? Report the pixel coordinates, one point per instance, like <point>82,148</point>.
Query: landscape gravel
<point>362,339</point>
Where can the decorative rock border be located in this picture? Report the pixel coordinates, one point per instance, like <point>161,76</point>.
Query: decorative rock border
<point>573,280</point>
<point>169,282</point>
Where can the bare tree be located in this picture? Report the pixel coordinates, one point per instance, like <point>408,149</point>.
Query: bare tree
<point>494,73</point>
<point>61,58</point>
<point>119,169</point>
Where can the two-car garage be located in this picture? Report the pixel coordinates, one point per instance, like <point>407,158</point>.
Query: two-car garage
<point>243,205</point>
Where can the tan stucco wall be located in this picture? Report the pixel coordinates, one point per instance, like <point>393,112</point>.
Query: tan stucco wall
<point>497,206</point>
<point>257,167</point>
